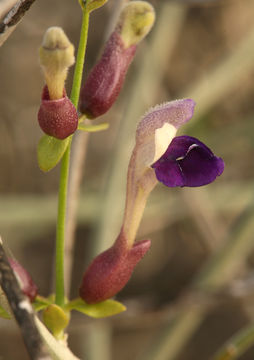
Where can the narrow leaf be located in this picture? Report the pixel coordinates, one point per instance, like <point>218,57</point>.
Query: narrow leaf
<point>95,4</point>
<point>50,151</point>
<point>99,310</point>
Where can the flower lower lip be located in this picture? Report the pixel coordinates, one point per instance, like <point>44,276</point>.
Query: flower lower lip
<point>188,162</point>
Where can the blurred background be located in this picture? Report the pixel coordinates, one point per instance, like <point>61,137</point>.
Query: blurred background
<point>195,288</point>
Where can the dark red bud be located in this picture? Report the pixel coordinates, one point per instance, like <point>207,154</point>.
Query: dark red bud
<point>25,281</point>
<point>105,80</point>
<point>57,118</point>
<point>110,271</point>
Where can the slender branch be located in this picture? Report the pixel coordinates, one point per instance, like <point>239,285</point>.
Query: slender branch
<point>77,78</point>
<point>22,309</point>
<point>12,17</point>
<point>80,144</point>
<point>60,233</point>
<point>63,186</point>
<point>58,349</point>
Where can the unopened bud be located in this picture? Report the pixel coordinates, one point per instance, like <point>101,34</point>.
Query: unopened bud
<point>56,56</point>
<point>25,281</point>
<point>57,118</point>
<point>105,80</point>
<point>110,271</point>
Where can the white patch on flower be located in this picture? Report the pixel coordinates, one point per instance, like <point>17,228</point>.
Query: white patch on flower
<point>25,305</point>
<point>162,138</point>
<point>190,148</point>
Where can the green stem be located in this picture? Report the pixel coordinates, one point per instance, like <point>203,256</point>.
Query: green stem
<point>80,59</point>
<point>60,230</point>
<point>65,163</point>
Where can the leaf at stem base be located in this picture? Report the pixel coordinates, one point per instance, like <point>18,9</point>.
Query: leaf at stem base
<point>99,310</point>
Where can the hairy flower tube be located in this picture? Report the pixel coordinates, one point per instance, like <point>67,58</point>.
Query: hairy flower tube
<point>105,80</point>
<point>25,281</point>
<point>157,156</point>
<point>56,56</point>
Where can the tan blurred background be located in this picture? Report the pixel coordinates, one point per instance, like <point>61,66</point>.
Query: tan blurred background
<point>199,272</point>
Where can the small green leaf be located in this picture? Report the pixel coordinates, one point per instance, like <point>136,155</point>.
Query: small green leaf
<point>50,151</point>
<point>4,314</point>
<point>56,319</point>
<point>100,310</point>
<point>94,4</point>
<point>93,128</point>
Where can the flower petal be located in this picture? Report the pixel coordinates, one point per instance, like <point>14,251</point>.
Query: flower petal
<point>158,127</point>
<point>188,162</point>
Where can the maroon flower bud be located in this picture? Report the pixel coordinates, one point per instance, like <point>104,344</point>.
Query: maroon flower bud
<point>105,80</point>
<point>57,118</point>
<point>25,281</point>
<point>110,271</point>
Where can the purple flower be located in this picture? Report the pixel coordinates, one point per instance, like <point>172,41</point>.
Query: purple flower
<point>157,155</point>
<point>174,161</point>
<point>187,162</point>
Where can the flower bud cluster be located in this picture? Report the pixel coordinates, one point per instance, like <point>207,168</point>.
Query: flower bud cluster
<point>57,116</point>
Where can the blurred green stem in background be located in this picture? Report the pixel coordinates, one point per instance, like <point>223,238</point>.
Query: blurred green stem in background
<point>63,186</point>
<point>219,270</point>
<point>237,345</point>
<point>223,265</point>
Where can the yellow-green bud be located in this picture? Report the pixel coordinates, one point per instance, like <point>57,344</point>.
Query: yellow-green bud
<point>135,22</point>
<point>56,56</point>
